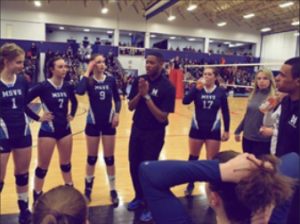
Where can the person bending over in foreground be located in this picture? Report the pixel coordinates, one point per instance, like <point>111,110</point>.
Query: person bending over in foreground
<point>232,180</point>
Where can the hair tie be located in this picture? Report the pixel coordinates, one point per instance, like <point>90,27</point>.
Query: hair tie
<point>54,213</point>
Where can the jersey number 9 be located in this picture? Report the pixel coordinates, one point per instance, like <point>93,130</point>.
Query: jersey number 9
<point>102,95</point>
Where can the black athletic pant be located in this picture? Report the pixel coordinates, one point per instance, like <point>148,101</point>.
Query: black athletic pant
<point>256,148</point>
<point>124,87</point>
<point>144,145</point>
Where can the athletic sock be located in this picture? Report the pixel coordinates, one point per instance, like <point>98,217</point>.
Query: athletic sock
<point>1,186</point>
<point>23,201</point>
<point>23,197</point>
<point>193,158</point>
<point>69,184</point>
<point>89,178</point>
<point>111,180</point>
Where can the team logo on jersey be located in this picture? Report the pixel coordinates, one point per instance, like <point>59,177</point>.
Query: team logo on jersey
<point>154,92</point>
<point>293,121</point>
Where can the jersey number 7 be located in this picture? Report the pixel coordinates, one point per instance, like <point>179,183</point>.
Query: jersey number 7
<point>61,101</point>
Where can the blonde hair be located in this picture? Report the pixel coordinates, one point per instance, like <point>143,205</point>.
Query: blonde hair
<point>61,205</point>
<point>272,89</point>
<point>9,52</point>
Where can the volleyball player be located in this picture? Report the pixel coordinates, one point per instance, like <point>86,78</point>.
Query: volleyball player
<point>152,97</point>
<point>55,95</point>
<point>15,132</point>
<point>206,122</point>
<point>253,141</point>
<point>101,120</point>
<point>232,191</point>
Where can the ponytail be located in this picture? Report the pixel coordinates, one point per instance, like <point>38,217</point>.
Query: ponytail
<point>270,187</point>
<point>259,190</point>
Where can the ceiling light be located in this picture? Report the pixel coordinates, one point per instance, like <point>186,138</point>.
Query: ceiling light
<point>249,16</point>
<point>222,24</point>
<point>86,30</point>
<point>191,7</point>
<point>171,18</point>
<point>110,32</point>
<point>239,44</point>
<point>172,38</point>
<point>37,3</point>
<point>152,35</point>
<point>211,41</point>
<point>286,4</point>
<point>192,39</point>
<point>227,42</point>
<point>265,29</point>
<point>61,28</point>
<point>295,23</point>
<point>296,34</point>
<point>104,10</point>
<point>130,34</point>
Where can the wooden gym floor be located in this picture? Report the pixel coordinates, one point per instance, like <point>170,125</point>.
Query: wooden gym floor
<point>175,148</point>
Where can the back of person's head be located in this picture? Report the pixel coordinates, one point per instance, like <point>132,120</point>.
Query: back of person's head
<point>294,62</point>
<point>9,52</point>
<point>159,56</point>
<point>260,189</point>
<point>61,205</point>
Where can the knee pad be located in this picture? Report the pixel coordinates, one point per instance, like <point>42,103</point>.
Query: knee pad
<point>40,173</point>
<point>92,160</point>
<point>109,161</point>
<point>22,179</point>
<point>192,158</point>
<point>1,186</point>
<point>66,168</point>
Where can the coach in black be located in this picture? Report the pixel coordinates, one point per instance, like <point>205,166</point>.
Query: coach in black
<point>152,97</point>
<point>288,131</point>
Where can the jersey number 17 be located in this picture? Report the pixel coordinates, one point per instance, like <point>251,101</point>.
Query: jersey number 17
<point>207,104</point>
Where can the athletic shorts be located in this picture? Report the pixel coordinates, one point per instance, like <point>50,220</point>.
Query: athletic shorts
<point>205,134</point>
<point>6,145</point>
<point>96,130</point>
<point>56,135</point>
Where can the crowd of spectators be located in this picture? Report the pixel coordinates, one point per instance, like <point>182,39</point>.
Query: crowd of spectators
<point>211,51</point>
<point>239,76</point>
<point>131,49</point>
<point>30,71</point>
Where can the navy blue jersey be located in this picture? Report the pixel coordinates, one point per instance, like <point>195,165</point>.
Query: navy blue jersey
<point>207,106</point>
<point>13,108</point>
<point>162,93</point>
<point>100,94</point>
<point>56,100</point>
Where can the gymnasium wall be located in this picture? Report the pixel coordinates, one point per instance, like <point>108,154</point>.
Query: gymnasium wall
<point>133,62</point>
<point>22,30</point>
<point>76,14</point>
<point>278,47</point>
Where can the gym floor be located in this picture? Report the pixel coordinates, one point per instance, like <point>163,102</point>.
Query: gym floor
<point>175,148</point>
